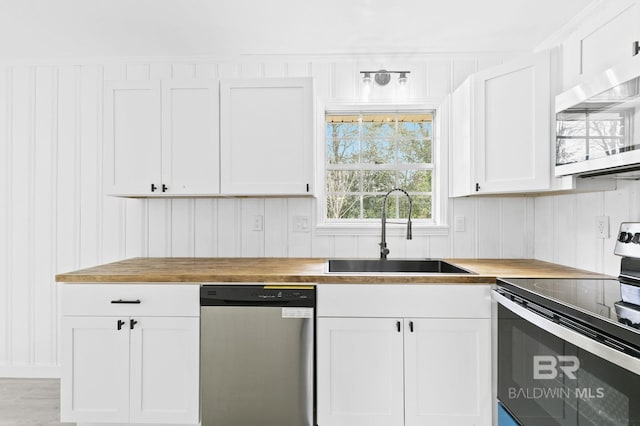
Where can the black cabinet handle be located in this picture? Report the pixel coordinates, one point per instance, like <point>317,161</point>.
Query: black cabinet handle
<point>164,188</point>
<point>120,324</point>
<point>411,326</point>
<point>128,302</point>
<point>132,323</point>
<point>635,48</point>
<point>398,326</point>
<point>477,187</point>
<point>153,188</point>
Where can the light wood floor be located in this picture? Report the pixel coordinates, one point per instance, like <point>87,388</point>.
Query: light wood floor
<point>30,402</point>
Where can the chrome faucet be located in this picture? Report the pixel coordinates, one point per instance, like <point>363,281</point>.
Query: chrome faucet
<point>384,251</point>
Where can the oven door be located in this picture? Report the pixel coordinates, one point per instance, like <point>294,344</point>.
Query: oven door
<point>549,374</point>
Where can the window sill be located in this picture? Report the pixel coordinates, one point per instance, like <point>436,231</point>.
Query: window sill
<point>374,229</point>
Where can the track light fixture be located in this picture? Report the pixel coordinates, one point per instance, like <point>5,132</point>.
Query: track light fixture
<point>382,77</point>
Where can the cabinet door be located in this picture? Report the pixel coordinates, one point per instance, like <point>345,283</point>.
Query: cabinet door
<point>266,131</point>
<point>448,372</point>
<point>95,370</point>
<point>190,140</point>
<point>461,164</point>
<point>132,146</point>
<point>605,40</point>
<point>165,356</point>
<point>512,131</point>
<point>360,372</point>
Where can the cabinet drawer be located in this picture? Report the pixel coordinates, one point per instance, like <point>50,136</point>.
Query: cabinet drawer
<point>131,299</point>
<point>404,300</point>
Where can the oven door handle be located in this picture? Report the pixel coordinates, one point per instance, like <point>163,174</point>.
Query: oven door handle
<point>583,342</point>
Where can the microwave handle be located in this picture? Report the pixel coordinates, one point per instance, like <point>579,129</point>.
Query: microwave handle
<point>599,349</point>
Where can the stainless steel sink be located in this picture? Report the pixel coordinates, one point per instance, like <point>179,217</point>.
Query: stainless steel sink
<point>423,266</point>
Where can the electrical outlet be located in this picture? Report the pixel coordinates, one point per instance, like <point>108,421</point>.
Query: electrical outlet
<point>602,227</point>
<point>258,222</point>
<point>459,224</point>
<point>301,224</point>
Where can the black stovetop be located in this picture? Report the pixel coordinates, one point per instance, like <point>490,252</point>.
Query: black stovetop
<point>591,302</point>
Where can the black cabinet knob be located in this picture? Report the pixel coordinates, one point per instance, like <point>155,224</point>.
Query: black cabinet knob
<point>120,324</point>
<point>153,188</point>
<point>132,323</point>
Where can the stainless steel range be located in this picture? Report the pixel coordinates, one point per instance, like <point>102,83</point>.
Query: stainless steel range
<point>569,350</point>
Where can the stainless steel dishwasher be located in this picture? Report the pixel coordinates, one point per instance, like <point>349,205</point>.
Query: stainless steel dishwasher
<point>257,355</point>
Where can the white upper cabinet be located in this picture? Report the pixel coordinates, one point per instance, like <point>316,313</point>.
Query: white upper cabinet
<point>190,147</point>
<point>267,134</point>
<point>161,138</point>
<point>132,153</point>
<point>501,136</point>
<point>605,38</point>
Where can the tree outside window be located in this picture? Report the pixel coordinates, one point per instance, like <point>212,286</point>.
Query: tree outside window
<point>369,154</point>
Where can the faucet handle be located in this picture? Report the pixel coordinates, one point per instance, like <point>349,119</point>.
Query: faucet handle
<point>384,251</point>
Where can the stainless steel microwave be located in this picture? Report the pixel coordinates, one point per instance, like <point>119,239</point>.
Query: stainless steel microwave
<point>598,124</point>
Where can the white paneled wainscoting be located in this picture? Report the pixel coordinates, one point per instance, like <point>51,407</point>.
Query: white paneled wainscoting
<point>55,218</point>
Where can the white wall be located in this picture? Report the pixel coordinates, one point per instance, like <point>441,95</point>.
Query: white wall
<point>565,226</point>
<point>54,218</point>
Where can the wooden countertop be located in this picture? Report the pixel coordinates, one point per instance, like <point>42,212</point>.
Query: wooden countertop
<point>305,270</point>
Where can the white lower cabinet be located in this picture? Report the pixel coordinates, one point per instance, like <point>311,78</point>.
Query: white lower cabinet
<point>405,370</point>
<point>447,374</point>
<point>360,373</point>
<point>95,370</point>
<point>122,367</point>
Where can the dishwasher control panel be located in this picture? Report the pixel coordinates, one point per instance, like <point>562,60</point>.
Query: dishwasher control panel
<point>257,295</point>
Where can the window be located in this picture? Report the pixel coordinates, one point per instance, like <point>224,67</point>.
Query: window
<point>367,154</point>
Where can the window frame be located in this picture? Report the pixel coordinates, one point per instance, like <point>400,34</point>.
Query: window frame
<point>437,225</point>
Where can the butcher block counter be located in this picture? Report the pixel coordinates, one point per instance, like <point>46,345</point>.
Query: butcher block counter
<point>305,270</point>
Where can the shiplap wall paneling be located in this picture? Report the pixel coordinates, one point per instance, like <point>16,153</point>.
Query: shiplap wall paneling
<point>229,228</point>
<point>589,248</point>
<point>20,200</point>
<point>438,79</point>
<point>252,228</point>
<point>206,219</point>
<point>464,242</point>
<point>113,208</point>
<point>489,228</point>
<point>5,179</point>
<point>299,243</point>
<point>45,290</point>
<point>565,227</point>
<point>516,228</point>
<point>620,205</point>
<point>276,230</point>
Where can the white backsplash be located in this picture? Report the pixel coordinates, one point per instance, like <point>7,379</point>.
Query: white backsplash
<point>565,226</point>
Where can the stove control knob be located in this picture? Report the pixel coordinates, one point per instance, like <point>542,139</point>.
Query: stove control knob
<point>636,238</point>
<point>628,238</point>
<point>622,237</point>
